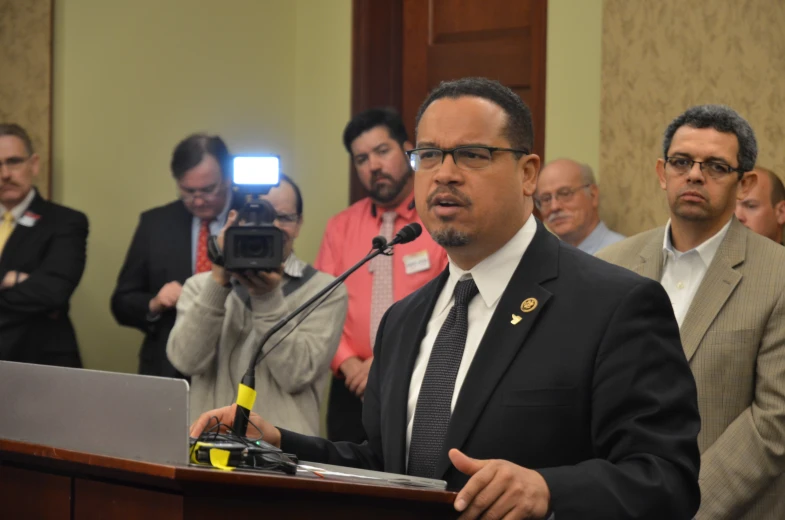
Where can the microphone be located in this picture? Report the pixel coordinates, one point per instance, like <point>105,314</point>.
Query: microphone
<point>406,234</point>
<point>246,394</point>
<point>380,243</point>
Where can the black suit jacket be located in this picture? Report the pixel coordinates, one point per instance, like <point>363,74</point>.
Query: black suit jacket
<point>34,322</point>
<point>591,388</point>
<point>160,253</point>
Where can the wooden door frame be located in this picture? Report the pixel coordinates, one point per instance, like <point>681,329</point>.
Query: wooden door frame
<point>377,57</point>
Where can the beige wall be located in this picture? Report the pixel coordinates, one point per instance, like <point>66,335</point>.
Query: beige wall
<point>661,57</point>
<point>572,94</point>
<point>133,77</point>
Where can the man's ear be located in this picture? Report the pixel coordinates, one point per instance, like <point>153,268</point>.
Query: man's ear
<point>35,164</point>
<point>779,212</point>
<point>660,168</point>
<point>748,181</point>
<point>529,166</point>
<point>595,195</point>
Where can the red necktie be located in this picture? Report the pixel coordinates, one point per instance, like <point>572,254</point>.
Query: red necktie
<point>203,263</point>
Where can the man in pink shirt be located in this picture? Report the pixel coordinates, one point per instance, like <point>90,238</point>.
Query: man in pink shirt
<point>376,140</point>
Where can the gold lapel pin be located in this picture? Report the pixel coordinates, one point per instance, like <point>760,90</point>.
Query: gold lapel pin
<point>515,319</point>
<point>529,304</point>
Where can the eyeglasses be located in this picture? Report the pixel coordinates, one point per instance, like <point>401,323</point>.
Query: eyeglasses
<point>190,194</point>
<point>715,169</point>
<point>561,195</point>
<point>287,218</point>
<point>13,163</point>
<point>468,157</point>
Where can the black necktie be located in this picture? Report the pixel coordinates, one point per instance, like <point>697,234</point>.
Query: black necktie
<point>432,414</point>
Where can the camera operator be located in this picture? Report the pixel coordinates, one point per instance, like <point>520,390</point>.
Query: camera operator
<point>222,316</point>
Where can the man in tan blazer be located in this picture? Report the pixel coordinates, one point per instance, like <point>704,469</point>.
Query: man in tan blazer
<point>727,287</point>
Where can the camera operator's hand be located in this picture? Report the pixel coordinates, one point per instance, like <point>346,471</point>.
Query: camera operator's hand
<point>260,282</point>
<point>219,273</point>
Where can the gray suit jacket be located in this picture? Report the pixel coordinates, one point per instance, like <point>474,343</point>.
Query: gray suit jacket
<point>734,338</point>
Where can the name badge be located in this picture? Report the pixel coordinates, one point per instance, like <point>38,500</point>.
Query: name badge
<point>29,219</point>
<point>417,262</point>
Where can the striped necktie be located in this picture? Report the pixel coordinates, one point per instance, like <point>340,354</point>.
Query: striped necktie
<point>382,268</point>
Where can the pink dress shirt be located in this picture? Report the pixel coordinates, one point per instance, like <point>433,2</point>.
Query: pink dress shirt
<point>346,240</point>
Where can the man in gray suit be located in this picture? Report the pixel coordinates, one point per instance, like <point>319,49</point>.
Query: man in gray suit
<point>727,287</point>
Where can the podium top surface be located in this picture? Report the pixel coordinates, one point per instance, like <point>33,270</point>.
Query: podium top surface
<point>188,478</point>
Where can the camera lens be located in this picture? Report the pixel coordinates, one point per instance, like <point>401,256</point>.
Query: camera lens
<point>253,246</point>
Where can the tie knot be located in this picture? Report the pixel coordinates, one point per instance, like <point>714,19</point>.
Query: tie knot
<point>388,217</point>
<point>465,290</point>
<point>8,218</point>
<point>205,223</point>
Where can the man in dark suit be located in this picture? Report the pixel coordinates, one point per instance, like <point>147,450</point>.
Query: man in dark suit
<point>539,380</point>
<point>170,245</point>
<point>42,258</point>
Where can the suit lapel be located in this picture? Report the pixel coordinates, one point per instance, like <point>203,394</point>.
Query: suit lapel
<point>182,262</point>
<point>651,257</point>
<point>502,340</point>
<point>412,333</point>
<point>718,284</point>
<point>21,234</point>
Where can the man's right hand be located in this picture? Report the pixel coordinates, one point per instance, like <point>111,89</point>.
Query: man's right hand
<point>350,367</point>
<point>220,275</point>
<point>166,298</point>
<point>225,416</point>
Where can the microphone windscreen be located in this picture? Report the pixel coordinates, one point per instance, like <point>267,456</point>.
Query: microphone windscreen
<point>379,242</point>
<point>410,232</point>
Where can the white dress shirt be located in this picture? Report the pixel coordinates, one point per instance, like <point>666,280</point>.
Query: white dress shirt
<point>19,210</point>
<point>683,273</point>
<point>492,276</point>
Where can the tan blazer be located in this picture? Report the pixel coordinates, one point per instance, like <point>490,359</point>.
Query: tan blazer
<point>734,338</point>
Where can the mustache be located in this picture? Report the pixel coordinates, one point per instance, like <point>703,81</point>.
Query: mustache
<point>557,214</point>
<point>451,190</point>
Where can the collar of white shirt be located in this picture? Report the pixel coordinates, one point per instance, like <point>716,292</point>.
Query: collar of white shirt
<point>20,208</point>
<point>706,250</point>
<point>494,273</point>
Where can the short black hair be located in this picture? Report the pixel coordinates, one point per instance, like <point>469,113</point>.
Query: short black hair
<point>519,129</point>
<point>371,118</point>
<point>190,151</point>
<point>722,119</point>
<point>15,130</point>
<point>298,196</point>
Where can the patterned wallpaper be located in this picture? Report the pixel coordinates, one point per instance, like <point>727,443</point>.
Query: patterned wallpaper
<point>660,57</point>
<point>26,63</point>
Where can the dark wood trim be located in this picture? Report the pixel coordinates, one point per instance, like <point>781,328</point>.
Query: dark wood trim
<point>377,27</point>
<point>539,39</point>
<point>193,480</point>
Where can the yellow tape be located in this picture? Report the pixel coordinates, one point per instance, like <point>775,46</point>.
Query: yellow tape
<point>246,397</point>
<point>194,450</point>
<point>220,459</point>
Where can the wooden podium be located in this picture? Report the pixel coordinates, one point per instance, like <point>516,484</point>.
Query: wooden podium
<point>40,482</point>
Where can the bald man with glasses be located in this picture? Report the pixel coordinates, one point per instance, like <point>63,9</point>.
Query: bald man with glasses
<point>569,200</point>
<point>170,245</point>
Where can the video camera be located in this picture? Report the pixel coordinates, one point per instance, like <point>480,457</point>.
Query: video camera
<point>253,242</point>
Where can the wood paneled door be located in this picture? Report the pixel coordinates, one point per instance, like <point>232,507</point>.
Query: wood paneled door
<point>404,48</point>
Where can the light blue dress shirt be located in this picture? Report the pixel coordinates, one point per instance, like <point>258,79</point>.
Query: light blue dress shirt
<point>599,238</point>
